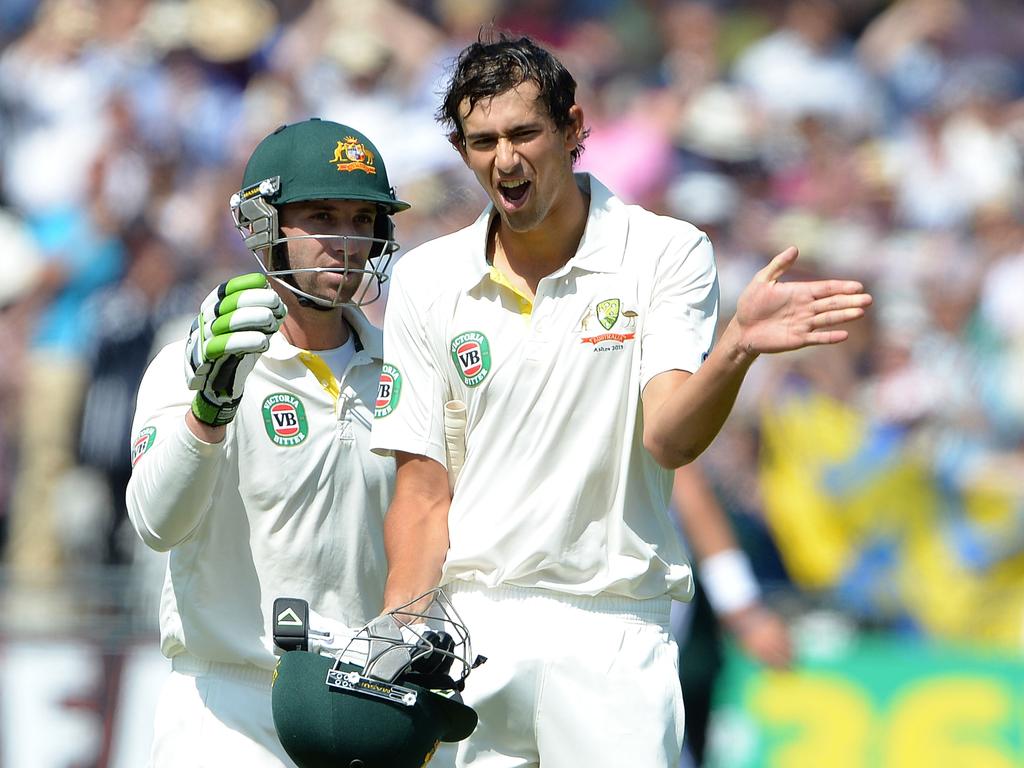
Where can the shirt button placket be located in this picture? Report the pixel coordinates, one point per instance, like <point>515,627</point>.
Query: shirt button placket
<point>538,328</point>
<point>341,425</point>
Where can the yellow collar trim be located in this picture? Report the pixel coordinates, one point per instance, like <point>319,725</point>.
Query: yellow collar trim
<point>525,305</point>
<point>323,373</point>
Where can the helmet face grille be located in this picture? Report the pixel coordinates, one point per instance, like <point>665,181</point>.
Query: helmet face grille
<point>256,220</point>
<point>373,272</point>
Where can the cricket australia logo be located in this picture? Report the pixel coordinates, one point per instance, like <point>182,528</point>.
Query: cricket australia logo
<point>609,314</point>
<point>389,389</point>
<point>284,416</point>
<point>142,443</point>
<point>352,155</point>
<point>471,354</point>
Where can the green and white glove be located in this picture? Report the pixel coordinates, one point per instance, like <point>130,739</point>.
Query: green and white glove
<point>232,330</point>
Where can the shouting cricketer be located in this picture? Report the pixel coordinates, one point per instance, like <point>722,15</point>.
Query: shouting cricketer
<point>576,332</point>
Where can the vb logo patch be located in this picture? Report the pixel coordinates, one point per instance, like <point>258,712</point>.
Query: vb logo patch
<point>471,354</point>
<point>389,389</point>
<point>284,416</point>
<point>142,443</point>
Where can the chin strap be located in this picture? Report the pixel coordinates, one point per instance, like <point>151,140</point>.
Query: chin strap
<point>304,302</point>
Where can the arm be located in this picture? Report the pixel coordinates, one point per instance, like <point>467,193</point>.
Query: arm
<point>416,529</point>
<point>175,471</point>
<point>171,489</point>
<point>684,412</point>
<point>726,574</point>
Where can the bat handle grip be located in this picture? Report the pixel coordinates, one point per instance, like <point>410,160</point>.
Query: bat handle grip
<point>455,439</point>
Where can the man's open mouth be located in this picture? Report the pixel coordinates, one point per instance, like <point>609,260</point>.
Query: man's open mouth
<point>513,191</point>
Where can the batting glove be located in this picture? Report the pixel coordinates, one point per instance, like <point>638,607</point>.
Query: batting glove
<point>232,330</point>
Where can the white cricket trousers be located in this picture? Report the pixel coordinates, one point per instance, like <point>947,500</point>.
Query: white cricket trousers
<point>212,715</point>
<point>569,682</point>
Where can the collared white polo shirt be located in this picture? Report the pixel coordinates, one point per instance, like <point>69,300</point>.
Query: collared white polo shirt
<point>557,490</point>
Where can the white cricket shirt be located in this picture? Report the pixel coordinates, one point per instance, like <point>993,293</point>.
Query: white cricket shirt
<point>557,490</point>
<point>290,504</point>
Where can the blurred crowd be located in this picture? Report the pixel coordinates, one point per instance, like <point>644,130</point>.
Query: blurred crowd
<point>883,477</point>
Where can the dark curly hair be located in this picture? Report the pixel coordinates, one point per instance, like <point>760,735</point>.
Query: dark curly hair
<point>496,63</point>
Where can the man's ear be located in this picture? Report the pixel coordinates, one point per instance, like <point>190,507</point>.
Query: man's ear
<point>574,131</point>
<point>459,145</point>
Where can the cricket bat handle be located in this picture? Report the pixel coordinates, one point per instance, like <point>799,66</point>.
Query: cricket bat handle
<point>455,438</point>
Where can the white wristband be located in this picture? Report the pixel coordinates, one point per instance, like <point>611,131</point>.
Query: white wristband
<point>729,581</point>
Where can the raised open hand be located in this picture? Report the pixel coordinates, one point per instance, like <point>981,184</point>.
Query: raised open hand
<point>775,316</point>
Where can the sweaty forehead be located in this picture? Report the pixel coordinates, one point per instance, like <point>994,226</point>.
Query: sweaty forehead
<point>516,105</point>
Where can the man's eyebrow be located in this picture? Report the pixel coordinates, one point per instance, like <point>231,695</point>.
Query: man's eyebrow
<point>520,128</point>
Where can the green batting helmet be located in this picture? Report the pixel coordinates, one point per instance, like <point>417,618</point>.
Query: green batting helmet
<point>386,700</point>
<point>316,160</point>
<point>321,726</point>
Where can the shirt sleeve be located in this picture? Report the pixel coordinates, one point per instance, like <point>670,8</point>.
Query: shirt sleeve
<point>174,473</point>
<point>410,398</point>
<point>680,326</point>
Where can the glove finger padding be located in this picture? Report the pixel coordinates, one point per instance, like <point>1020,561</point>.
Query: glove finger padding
<point>257,319</point>
<point>232,330</point>
<point>236,343</point>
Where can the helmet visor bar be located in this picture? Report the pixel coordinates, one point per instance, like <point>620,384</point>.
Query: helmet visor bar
<point>369,258</point>
<point>363,276</point>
